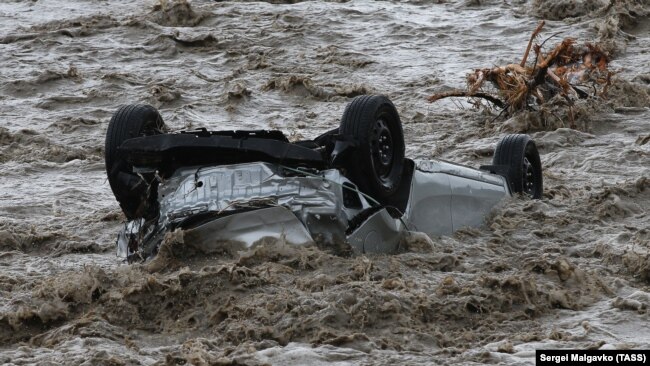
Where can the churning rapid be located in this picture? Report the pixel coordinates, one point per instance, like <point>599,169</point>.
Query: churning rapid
<point>570,270</point>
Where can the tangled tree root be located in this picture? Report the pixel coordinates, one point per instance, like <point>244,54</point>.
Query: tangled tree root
<point>568,70</point>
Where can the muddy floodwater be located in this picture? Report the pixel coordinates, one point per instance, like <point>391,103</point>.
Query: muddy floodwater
<point>569,271</point>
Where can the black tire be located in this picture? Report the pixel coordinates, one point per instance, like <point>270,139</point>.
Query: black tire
<point>129,121</point>
<point>378,163</point>
<point>520,154</point>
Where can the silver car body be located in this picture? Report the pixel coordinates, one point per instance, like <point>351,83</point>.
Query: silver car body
<point>244,203</point>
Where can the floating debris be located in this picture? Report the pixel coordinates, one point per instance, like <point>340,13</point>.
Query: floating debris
<point>569,70</point>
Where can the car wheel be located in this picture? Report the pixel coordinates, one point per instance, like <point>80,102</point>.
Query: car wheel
<point>374,126</point>
<point>127,122</point>
<point>519,153</point>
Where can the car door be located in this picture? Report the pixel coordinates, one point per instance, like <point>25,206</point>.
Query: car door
<point>472,200</point>
<point>429,207</point>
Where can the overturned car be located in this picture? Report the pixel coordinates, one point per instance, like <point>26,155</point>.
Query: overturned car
<point>351,187</point>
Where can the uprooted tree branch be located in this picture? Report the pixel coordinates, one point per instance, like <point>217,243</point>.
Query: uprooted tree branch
<point>568,70</point>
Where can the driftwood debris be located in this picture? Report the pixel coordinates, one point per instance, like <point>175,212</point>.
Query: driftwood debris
<point>568,70</point>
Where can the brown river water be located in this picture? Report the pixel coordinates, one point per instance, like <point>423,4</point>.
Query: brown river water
<point>569,271</point>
